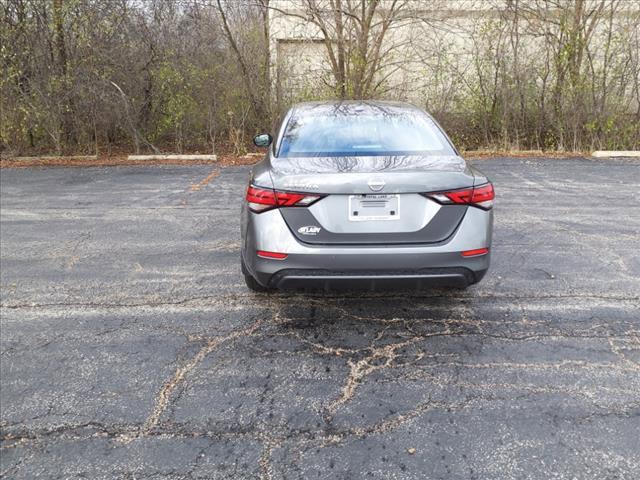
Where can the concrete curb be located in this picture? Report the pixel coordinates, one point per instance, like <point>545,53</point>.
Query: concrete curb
<point>172,157</point>
<point>616,153</point>
<point>51,157</point>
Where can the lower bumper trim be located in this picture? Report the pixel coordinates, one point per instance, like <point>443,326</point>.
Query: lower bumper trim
<point>374,280</point>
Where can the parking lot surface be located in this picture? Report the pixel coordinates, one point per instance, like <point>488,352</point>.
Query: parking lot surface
<point>130,347</point>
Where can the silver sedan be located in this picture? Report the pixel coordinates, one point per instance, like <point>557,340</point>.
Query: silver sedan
<point>364,195</point>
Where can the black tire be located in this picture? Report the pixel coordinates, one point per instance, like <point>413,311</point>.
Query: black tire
<point>252,283</point>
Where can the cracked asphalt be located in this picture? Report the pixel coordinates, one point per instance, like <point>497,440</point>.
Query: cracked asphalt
<point>130,347</point>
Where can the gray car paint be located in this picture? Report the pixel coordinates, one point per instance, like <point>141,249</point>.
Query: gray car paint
<point>355,252</point>
<point>439,227</point>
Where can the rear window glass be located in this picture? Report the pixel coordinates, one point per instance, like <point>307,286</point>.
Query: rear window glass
<point>409,133</point>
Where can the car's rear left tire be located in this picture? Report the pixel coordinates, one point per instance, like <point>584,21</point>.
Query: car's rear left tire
<point>252,283</point>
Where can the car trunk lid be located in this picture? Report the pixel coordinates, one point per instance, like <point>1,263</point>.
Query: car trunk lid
<point>372,200</point>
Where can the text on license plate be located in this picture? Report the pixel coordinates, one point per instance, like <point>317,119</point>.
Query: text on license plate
<point>374,207</point>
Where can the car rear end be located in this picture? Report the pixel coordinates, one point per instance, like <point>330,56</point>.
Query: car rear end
<point>411,218</point>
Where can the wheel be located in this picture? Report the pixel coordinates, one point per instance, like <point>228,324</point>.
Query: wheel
<point>252,283</point>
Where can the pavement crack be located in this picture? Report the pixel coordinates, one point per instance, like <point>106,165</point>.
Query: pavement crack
<point>285,298</point>
<point>162,303</point>
<point>23,435</point>
<point>629,343</point>
<point>164,395</point>
<point>380,357</point>
<point>266,467</point>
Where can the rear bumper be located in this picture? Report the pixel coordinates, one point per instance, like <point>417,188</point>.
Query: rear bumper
<point>358,268</point>
<point>289,279</point>
<point>368,266</point>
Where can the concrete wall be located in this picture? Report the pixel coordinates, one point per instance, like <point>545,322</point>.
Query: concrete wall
<point>433,55</point>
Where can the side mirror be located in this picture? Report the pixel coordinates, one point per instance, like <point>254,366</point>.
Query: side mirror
<point>262,140</point>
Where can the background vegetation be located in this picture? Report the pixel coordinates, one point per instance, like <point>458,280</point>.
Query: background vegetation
<point>196,75</point>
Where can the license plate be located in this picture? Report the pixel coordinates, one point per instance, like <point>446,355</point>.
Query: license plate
<point>364,208</point>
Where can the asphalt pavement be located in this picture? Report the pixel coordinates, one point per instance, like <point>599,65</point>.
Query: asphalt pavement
<point>130,347</point>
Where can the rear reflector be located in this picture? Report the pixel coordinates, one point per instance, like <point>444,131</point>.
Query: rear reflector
<point>475,253</point>
<point>272,255</point>
<point>262,199</point>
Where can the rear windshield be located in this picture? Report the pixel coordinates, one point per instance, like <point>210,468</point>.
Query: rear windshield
<point>406,133</point>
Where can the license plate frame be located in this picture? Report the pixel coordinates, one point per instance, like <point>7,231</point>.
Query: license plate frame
<point>374,207</point>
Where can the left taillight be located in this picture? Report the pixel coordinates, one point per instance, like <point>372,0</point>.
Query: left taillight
<point>260,199</point>
<point>263,199</point>
<point>481,196</point>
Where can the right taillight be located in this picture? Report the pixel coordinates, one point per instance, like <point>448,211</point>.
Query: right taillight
<point>481,196</point>
<point>263,199</point>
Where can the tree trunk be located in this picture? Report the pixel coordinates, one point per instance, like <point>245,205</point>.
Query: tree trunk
<point>61,50</point>
<point>256,103</point>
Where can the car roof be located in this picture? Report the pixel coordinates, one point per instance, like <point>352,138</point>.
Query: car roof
<point>354,107</point>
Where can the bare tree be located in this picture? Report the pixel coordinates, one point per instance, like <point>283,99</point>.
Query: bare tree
<point>549,74</point>
<point>256,83</point>
<point>353,33</point>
